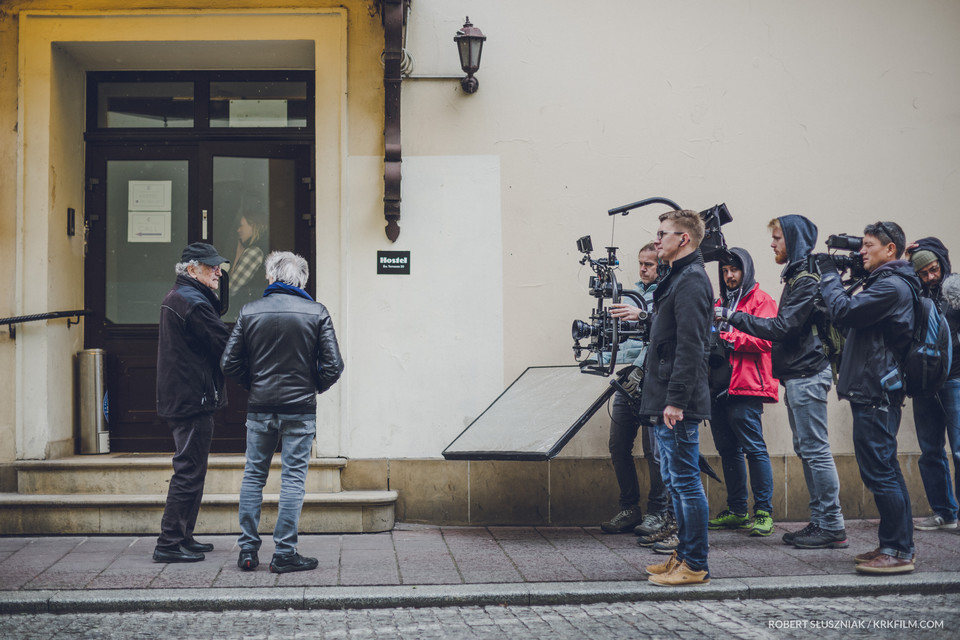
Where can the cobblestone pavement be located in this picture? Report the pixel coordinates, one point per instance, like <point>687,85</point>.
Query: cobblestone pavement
<point>917,616</point>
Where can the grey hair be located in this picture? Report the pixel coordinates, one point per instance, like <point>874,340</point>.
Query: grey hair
<point>289,268</point>
<point>181,267</point>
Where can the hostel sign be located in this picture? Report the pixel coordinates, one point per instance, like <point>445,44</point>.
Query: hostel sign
<point>393,262</point>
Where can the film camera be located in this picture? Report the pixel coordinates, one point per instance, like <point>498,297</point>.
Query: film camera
<point>850,263</point>
<point>604,332</point>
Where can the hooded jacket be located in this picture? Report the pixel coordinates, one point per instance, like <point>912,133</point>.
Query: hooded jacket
<point>192,337</point>
<point>284,350</point>
<point>750,361</point>
<point>879,326</point>
<point>946,294</point>
<point>675,372</point>
<point>797,352</point>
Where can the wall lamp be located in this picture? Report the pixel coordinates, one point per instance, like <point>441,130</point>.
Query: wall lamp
<point>469,41</point>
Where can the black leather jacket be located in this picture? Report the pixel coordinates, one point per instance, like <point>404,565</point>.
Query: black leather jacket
<point>283,350</point>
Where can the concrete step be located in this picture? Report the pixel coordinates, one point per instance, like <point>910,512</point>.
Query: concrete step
<point>130,473</point>
<point>341,512</point>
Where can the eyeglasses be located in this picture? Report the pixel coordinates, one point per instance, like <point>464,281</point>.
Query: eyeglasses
<point>660,234</point>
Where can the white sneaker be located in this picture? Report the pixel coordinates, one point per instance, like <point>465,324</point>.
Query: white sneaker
<point>935,522</point>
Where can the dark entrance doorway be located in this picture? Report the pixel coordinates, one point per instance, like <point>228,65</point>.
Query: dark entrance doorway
<point>239,176</point>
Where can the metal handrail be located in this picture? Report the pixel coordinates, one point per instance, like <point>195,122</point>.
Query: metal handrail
<point>52,315</point>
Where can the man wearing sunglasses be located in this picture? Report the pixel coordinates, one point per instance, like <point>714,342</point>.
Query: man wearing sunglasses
<point>938,418</point>
<point>879,323</point>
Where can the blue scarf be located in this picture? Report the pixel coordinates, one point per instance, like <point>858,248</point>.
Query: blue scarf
<point>289,289</point>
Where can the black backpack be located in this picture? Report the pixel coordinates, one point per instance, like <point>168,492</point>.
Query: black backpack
<point>926,365</point>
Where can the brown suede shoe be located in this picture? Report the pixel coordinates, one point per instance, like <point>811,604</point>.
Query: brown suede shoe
<point>884,564</point>
<point>681,576</point>
<point>872,555</point>
<point>664,567</point>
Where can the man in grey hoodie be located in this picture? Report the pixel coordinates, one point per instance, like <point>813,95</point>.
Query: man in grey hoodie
<point>799,362</point>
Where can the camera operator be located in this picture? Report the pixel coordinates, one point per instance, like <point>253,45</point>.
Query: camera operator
<point>625,424</point>
<point>801,365</point>
<point>879,322</point>
<point>939,415</point>
<point>737,410</point>
<point>675,391</point>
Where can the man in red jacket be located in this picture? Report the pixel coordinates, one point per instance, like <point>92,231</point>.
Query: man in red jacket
<point>737,410</point>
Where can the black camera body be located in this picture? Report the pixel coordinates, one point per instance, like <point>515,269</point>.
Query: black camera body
<point>604,332</point>
<point>851,263</point>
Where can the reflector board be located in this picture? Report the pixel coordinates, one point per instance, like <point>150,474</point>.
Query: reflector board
<point>535,417</point>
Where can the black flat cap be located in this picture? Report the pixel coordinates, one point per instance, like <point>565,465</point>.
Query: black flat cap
<point>203,253</point>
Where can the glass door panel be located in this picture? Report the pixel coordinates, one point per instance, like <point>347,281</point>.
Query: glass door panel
<point>146,230</point>
<point>253,199</point>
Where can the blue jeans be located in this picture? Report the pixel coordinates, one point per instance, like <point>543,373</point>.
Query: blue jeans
<point>875,443</point>
<point>937,419</point>
<point>680,465</point>
<point>737,431</point>
<point>264,430</point>
<point>806,402</point>
<point>624,425</point>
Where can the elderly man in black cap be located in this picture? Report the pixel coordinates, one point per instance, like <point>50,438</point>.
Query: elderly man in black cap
<point>189,390</point>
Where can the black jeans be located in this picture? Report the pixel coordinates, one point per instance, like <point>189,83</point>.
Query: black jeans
<point>192,437</point>
<point>623,433</point>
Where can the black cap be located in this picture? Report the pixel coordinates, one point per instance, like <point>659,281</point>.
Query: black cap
<point>203,253</point>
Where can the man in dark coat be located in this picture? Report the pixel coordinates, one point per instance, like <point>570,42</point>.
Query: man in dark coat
<point>675,392</point>
<point>938,417</point>
<point>879,324</point>
<point>189,389</point>
<point>283,349</point>
<point>799,362</point>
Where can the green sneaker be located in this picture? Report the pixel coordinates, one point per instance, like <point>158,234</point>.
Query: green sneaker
<point>727,519</point>
<point>762,524</point>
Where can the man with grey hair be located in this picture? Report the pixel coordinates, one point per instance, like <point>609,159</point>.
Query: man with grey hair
<point>189,390</point>
<point>284,351</point>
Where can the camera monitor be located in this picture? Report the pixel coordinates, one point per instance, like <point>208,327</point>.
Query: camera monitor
<point>534,418</point>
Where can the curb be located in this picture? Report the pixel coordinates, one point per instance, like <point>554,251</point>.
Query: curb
<point>524,594</point>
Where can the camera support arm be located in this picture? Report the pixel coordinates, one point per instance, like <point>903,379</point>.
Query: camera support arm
<point>627,208</point>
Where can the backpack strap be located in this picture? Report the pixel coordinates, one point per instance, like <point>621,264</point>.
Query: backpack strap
<point>803,274</point>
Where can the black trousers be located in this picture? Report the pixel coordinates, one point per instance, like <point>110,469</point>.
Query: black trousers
<point>192,437</point>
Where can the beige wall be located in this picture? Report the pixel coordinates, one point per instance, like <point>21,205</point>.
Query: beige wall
<point>844,112</point>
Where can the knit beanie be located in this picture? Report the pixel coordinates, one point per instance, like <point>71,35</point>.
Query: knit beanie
<point>921,259</point>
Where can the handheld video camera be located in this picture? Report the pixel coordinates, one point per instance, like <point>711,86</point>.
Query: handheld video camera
<point>852,262</point>
<point>604,332</point>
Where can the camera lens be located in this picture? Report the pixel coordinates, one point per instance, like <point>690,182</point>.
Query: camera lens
<point>581,330</point>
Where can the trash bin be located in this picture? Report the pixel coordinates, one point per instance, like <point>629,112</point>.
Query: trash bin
<point>94,409</point>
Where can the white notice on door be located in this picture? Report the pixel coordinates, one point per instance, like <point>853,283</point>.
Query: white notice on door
<point>148,226</point>
<point>149,195</point>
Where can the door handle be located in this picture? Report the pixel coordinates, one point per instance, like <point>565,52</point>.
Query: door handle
<point>203,224</point>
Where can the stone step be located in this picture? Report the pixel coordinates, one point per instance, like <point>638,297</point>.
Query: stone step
<point>128,473</point>
<point>341,512</point>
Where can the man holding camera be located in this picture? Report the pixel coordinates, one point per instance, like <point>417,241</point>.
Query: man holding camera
<point>939,415</point>
<point>625,424</point>
<point>879,322</point>
<point>737,411</point>
<point>675,392</point>
<point>801,365</point>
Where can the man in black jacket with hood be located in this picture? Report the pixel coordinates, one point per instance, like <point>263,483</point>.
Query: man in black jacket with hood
<point>939,415</point>
<point>675,392</point>
<point>802,367</point>
<point>879,323</point>
<point>189,389</point>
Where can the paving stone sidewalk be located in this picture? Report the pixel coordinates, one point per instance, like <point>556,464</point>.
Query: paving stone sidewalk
<point>429,555</point>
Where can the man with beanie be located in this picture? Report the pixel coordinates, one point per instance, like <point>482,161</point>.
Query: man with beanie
<point>938,417</point>
<point>879,323</point>
<point>189,389</point>
<point>802,367</point>
<point>737,411</point>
